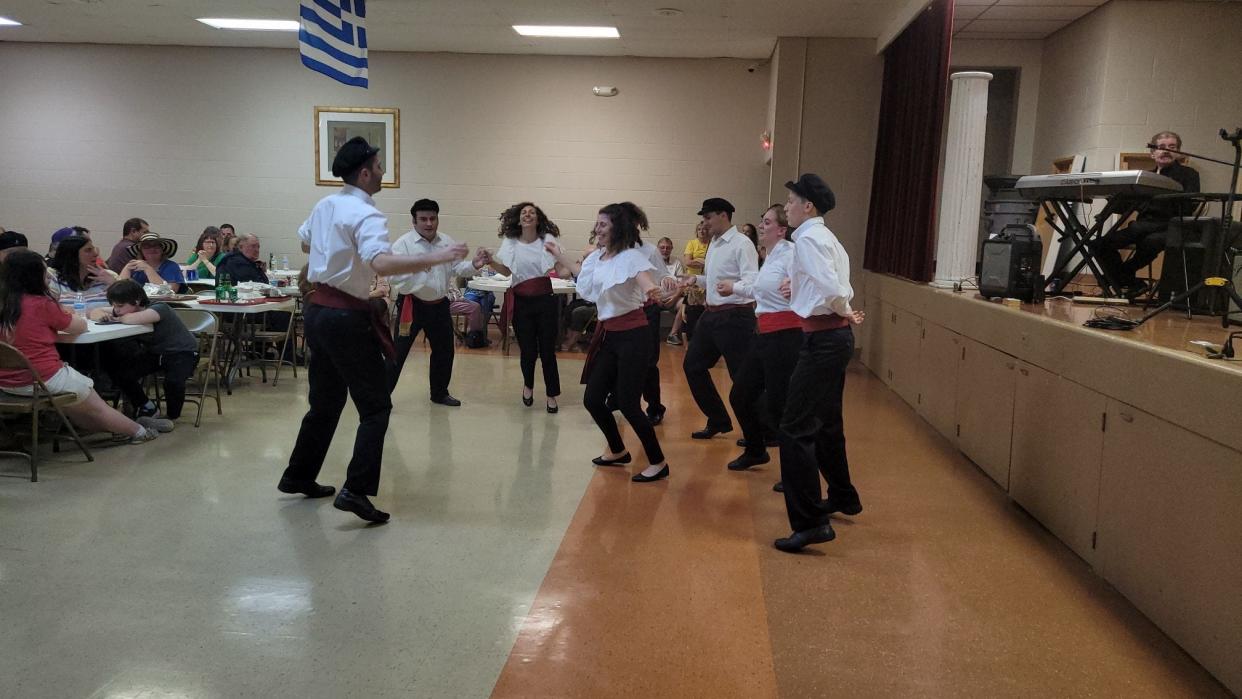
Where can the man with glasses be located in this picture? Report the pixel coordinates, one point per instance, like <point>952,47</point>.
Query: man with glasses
<point>1149,232</point>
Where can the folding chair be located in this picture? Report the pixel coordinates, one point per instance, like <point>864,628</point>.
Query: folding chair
<point>11,359</point>
<point>206,327</point>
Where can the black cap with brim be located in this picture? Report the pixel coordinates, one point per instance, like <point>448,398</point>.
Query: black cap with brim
<point>716,205</point>
<point>812,188</point>
<point>354,154</point>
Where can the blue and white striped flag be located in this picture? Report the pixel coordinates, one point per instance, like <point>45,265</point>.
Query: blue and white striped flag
<point>333,39</point>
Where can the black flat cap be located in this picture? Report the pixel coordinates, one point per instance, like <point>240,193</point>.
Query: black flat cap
<point>813,188</point>
<point>716,204</point>
<point>354,154</point>
<point>12,239</point>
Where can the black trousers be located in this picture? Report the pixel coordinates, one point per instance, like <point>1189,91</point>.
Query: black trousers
<point>651,385</point>
<point>346,361</point>
<point>177,366</point>
<point>812,432</point>
<point>534,324</point>
<point>434,320</point>
<point>759,389</point>
<point>719,333</point>
<point>1148,238</point>
<point>621,366</point>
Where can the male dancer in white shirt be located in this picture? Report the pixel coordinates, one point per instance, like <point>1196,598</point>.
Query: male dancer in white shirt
<point>728,324</point>
<point>422,302</point>
<point>812,433</point>
<point>347,239</point>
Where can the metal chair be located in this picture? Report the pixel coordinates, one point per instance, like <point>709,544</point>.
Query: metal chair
<point>206,327</point>
<point>11,359</point>
<point>259,339</point>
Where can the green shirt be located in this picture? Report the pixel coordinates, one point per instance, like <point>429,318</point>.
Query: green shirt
<point>203,272</point>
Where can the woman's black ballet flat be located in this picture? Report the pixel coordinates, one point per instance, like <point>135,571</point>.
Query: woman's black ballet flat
<point>601,461</point>
<point>640,478</point>
<point>554,409</point>
<point>528,401</point>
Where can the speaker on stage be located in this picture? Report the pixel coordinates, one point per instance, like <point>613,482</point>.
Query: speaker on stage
<point>1010,264</point>
<point>1187,261</point>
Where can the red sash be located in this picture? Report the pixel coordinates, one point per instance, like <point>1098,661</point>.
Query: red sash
<point>406,314</point>
<point>831,321</point>
<point>636,318</point>
<point>780,320</point>
<point>331,297</point>
<point>535,286</point>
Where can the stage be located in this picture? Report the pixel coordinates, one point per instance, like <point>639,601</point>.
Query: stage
<point>1127,446</point>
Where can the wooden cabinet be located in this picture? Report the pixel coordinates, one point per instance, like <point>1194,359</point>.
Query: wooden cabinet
<point>1170,533</point>
<point>985,392</point>
<point>903,356</point>
<point>940,354</point>
<point>1055,461</point>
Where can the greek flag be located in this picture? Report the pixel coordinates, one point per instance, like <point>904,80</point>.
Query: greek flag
<point>333,39</point>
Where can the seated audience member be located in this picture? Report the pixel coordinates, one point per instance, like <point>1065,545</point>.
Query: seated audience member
<point>11,241</point>
<point>242,264</point>
<point>170,347</point>
<point>58,236</point>
<point>30,321</point>
<point>227,231</point>
<point>133,229</point>
<point>1148,233</point>
<point>476,322</point>
<point>153,262</point>
<point>75,270</point>
<point>228,244</point>
<point>581,314</point>
<point>207,253</point>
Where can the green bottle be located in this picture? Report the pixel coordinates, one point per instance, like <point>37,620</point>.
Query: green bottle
<point>222,287</point>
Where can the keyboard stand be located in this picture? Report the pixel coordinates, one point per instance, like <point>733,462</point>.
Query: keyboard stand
<point>1062,217</point>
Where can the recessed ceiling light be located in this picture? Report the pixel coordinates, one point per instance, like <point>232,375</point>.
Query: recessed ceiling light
<point>6,22</point>
<point>567,32</point>
<point>258,25</point>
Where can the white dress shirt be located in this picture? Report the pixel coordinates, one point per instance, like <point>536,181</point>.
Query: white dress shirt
<point>820,273</point>
<point>765,290</point>
<point>345,232</point>
<point>731,257</point>
<point>611,284</point>
<point>526,260</point>
<point>433,283</point>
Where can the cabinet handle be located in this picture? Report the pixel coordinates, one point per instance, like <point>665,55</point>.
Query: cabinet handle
<point>1024,372</point>
<point>1009,365</point>
<point>1127,417</point>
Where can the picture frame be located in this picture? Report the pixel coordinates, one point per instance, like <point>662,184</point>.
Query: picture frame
<point>381,126</point>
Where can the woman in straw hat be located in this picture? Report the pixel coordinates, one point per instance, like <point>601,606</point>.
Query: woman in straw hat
<point>153,263</point>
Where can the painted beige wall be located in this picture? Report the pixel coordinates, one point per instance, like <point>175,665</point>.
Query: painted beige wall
<point>1027,57</point>
<point>1114,78</point>
<point>188,137</point>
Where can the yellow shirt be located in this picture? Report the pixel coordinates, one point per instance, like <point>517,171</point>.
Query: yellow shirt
<point>697,251</point>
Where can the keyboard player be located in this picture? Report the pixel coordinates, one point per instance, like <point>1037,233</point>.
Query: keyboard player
<point>1148,232</point>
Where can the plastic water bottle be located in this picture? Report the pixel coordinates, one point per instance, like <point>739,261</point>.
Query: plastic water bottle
<point>79,306</point>
<point>284,263</point>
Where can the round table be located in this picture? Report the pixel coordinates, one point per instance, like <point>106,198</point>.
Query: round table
<point>500,286</point>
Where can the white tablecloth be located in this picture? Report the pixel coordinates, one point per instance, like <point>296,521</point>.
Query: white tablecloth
<point>500,286</point>
<point>102,332</point>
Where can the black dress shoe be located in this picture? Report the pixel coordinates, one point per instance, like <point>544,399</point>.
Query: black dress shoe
<point>310,489</point>
<point>528,401</point>
<point>640,478</point>
<point>601,461</point>
<point>745,461</point>
<point>709,432</point>
<point>799,540</point>
<point>447,400</point>
<point>779,487</point>
<point>657,417</point>
<point>851,509</point>
<point>359,505</point>
<point>553,409</point>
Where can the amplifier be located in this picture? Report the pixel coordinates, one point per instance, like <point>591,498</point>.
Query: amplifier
<point>1010,264</point>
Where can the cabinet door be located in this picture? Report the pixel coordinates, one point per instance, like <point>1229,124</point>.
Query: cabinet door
<point>939,357</point>
<point>1055,467</point>
<point>985,385</point>
<point>883,335</point>
<point>903,357</point>
<point>1170,534</point>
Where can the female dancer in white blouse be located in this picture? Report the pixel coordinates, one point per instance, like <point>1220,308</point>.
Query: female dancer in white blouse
<point>618,278</point>
<point>525,255</point>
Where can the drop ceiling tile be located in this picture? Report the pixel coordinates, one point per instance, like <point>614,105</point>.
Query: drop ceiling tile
<point>1052,12</point>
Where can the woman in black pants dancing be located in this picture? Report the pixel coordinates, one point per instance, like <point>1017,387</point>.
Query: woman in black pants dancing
<point>618,278</point>
<point>525,256</point>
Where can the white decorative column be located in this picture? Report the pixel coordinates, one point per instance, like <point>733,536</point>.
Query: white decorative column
<point>958,236</point>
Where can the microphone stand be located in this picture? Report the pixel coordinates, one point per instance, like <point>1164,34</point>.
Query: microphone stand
<point>1226,222</point>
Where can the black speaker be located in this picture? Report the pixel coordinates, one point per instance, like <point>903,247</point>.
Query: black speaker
<point>1010,264</point>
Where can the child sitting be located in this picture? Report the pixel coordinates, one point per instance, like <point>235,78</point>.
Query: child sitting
<point>170,347</point>
<point>30,320</point>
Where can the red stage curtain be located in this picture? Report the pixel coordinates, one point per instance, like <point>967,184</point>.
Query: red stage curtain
<point>901,226</point>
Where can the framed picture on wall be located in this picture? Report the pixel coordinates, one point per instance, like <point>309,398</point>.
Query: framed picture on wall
<point>336,125</point>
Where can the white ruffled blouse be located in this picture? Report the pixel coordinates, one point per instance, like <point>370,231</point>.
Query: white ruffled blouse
<point>525,260</point>
<point>612,284</point>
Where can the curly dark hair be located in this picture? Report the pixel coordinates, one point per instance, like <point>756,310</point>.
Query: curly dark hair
<point>511,222</point>
<point>23,273</point>
<point>628,221</point>
<point>66,263</point>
